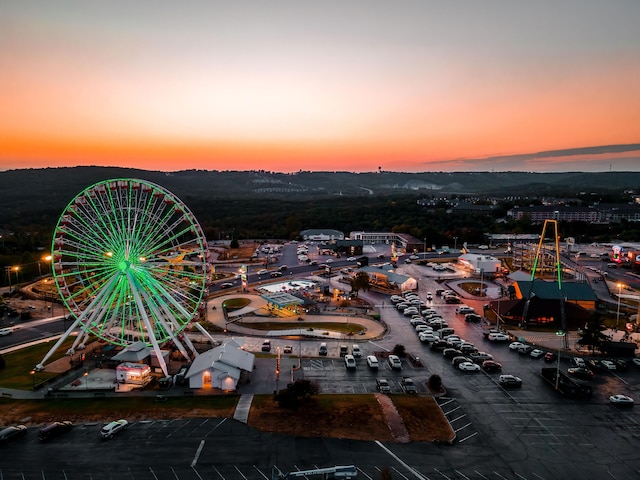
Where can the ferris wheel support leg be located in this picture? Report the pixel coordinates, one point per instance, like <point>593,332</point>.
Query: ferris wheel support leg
<point>187,341</point>
<point>147,323</point>
<point>39,367</point>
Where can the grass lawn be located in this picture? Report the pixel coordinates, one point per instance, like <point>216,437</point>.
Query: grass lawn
<point>19,364</point>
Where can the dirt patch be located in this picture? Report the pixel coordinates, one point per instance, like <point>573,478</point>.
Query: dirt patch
<point>357,417</point>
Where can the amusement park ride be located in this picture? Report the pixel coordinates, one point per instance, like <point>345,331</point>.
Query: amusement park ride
<point>131,264</point>
<point>540,252</point>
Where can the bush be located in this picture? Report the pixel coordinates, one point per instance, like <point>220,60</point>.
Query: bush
<point>296,393</point>
<point>435,383</point>
<point>400,351</point>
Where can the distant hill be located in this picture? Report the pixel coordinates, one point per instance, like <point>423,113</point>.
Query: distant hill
<point>45,192</point>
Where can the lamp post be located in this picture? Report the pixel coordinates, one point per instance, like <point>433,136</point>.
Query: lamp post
<point>618,313</point>
<point>33,379</point>
<point>455,243</point>
<point>424,251</point>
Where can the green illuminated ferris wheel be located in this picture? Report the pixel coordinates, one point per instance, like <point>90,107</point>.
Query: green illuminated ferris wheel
<point>130,261</point>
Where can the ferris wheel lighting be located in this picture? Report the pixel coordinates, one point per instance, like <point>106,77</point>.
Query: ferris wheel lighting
<point>104,269</point>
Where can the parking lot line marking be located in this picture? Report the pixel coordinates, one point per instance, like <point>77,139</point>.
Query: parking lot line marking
<point>461,474</point>
<point>261,472</point>
<point>150,469</point>
<point>534,473</point>
<point>364,473</point>
<point>462,428</point>
<point>218,472</point>
<point>441,473</point>
<point>174,473</point>
<point>458,418</point>
<point>520,476</point>
<point>241,474</point>
<point>468,437</point>
<point>496,473</point>
<point>400,473</point>
<point>478,473</point>
<point>394,456</point>
<point>195,459</point>
<point>453,410</point>
<point>196,472</point>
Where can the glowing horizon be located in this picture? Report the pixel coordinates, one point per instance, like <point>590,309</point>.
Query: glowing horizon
<point>307,87</point>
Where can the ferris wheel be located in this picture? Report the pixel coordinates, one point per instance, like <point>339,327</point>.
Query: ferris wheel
<point>130,261</point>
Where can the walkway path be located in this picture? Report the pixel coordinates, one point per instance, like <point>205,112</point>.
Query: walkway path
<point>398,429</point>
<point>243,408</point>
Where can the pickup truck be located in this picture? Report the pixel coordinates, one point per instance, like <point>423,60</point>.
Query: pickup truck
<point>408,386</point>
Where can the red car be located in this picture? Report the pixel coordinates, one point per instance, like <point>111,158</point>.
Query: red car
<point>549,357</point>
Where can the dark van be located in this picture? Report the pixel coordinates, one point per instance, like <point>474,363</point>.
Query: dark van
<point>53,430</point>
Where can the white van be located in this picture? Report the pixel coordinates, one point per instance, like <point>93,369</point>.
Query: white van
<point>355,350</point>
<point>372,361</point>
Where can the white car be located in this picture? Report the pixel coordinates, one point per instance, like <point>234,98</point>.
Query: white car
<point>394,362</point>
<point>423,328</point>
<point>111,428</point>
<point>621,400</point>
<point>469,367</point>
<point>636,361</point>
<point>351,259</point>
<point>515,345</point>
<point>355,350</point>
<point>349,362</point>
<point>372,362</point>
<point>263,272</point>
<point>608,364</point>
<point>6,331</point>
<point>428,337</point>
<point>537,353</point>
<point>498,337</point>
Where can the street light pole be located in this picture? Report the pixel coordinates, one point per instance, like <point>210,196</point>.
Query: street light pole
<point>424,251</point>
<point>455,243</point>
<point>618,313</point>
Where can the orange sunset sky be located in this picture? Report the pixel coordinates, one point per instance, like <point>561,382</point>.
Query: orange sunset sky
<point>293,85</point>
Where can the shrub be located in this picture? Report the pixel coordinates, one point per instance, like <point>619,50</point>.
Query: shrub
<point>400,351</point>
<point>296,393</point>
<point>435,383</point>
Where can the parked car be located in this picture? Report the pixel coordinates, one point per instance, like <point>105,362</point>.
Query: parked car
<point>550,357</point>
<point>491,366</point>
<point>636,361</point>
<point>621,400</point>
<point>10,433</point>
<point>510,381</point>
<point>349,362</point>
<point>344,350</point>
<point>525,349</point>
<point>112,428</point>
<point>452,299</point>
<point>621,364</point>
<point>515,345</point>
<point>469,367</point>
<point>472,317</point>
<point>382,385</point>
<point>408,386</point>
<point>53,430</point>
<point>439,345</point>
<point>578,362</point>
<point>266,345</point>
<point>372,362</point>
<point>467,348</point>
<point>536,353</point>
<point>609,365</point>
<point>394,362</point>
<point>455,361</point>
<point>498,337</point>
<point>451,352</point>
<point>595,365</point>
<point>428,337</point>
<point>323,349</point>
<point>464,309</point>
<point>355,351</point>
<point>580,372</point>
<point>480,357</point>
<point>288,349</point>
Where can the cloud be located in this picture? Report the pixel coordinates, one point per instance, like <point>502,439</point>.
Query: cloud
<point>625,157</point>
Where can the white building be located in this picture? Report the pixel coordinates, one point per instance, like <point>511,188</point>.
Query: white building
<point>221,367</point>
<point>480,264</point>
